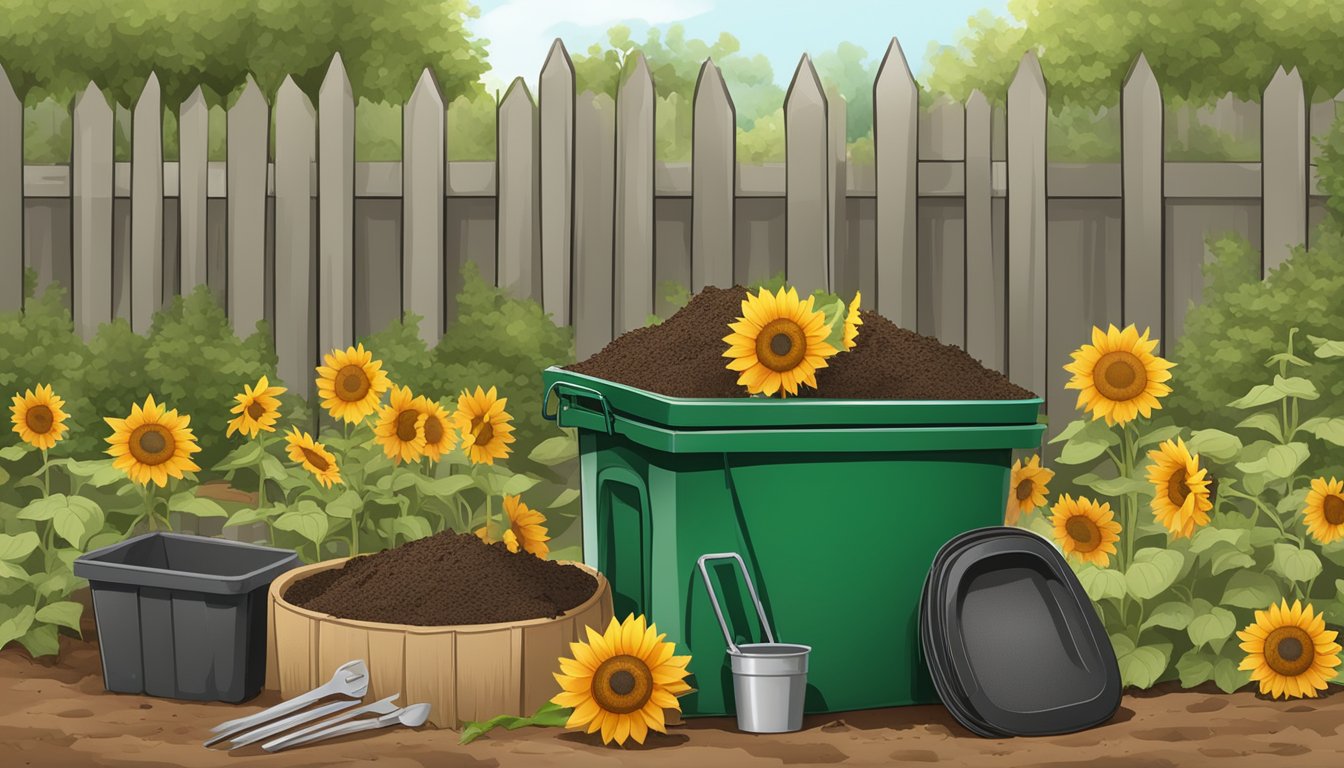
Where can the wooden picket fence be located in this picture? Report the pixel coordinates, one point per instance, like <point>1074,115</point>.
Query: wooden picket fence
<point>960,229</point>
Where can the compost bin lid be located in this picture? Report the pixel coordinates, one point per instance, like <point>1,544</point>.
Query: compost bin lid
<point>1011,639</point>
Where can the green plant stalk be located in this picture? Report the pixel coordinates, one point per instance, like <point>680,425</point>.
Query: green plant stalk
<point>46,475</point>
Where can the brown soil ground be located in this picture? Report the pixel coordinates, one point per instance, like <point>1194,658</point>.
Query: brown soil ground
<point>57,714</point>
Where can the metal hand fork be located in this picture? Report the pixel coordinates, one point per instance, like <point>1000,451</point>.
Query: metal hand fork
<point>380,707</point>
<point>413,716</point>
<point>350,679</point>
<point>293,721</point>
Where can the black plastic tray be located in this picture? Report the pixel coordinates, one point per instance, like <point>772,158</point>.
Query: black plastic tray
<point>1011,639</point>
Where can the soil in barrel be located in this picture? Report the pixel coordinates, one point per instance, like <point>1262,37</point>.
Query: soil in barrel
<point>683,357</point>
<point>443,580</point>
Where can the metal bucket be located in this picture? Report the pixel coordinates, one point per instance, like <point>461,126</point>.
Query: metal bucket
<point>769,679</point>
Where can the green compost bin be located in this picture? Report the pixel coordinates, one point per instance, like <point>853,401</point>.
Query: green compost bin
<point>837,507</point>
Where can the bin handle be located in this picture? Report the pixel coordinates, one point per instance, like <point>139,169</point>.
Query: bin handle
<point>589,391</point>
<point>714,600</point>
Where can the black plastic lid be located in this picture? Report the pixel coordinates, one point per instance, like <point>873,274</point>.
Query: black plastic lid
<point>1011,639</point>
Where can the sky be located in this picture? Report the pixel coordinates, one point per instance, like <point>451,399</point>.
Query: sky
<point>521,31</point>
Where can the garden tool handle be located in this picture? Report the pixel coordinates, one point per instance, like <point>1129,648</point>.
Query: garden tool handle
<point>714,600</point>
<point>559,388</point>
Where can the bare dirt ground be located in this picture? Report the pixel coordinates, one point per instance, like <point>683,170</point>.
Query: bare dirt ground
<point>57,714</point>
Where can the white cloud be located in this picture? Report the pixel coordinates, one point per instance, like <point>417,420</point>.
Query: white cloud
<point>521,31</point>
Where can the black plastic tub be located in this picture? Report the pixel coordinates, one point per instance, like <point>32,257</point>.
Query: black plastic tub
<point>183,617</point>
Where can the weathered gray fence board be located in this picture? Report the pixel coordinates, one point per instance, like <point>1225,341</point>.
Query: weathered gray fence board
<point>942,270</point>
<point>839,265</point>
<point>519,236</point>
<point>1027,290</point>
<point>249,284</point>
<point>336,206</point>
<point>633,298</point>
<point>91,210</point>
<point>121,259</point>
<point>984,294</point>
<point>11,196</point>
<point>942,130</point>
<point>146,206</point>
<point>759,235</point>
<point>295,272</point>
<point>1284,155</point>
<point>1141,148</point>
<point>1189,225</point>
<point>193,140</point>
<point>861,239</point>
<point>422,144</point>
<point>896,147</point>
<point>217,249</point>
<point>378,266</point>
<point>469,236</point>
<point>594,206</point>
<point>807,193</point>
<point>713,167</point>
<point>555,96</point>
<point>671,249</point>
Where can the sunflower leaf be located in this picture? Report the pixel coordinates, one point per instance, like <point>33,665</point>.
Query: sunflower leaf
<point>1102,583</point>
<point>1228,676</point>
<point>411,528</point>
<point>249,515</point>
<point>1195,667</point>
<point>1249,589</point>
<point>1206,537</point>
<point>346,506</point>
<point>1280,462</point>
<point>1260,394</point>
<point>1142,666</point>
<point>1327,429</point>
<point>555,450</point>
<point>16,548</point>
<point>1212,628</point>
<point>14,452</point>
<point>1173,614</point>
<point>41,640</point>
<point>1152,572</point>
<point>1214,443</point>
<point>64,613</point>
<point>245,455</point>
<point>1294,563</point>
<point>1158,435</point>
<point>1265,422</point>
<point>1225,557</point>
<point>1087,443</point>
<point>834,315</point>
<point>1115,486</point>
<point>566,497</point>
<point>518,484</point>
<point>1325,348</point>
<point>188,503</point>
<point>306,519</point>
<point>1296,386</point>
<point>548,715</point>
<point>16,625</point>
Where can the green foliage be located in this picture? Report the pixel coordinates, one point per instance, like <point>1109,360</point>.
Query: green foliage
<point>384,43</point>
<point>547,716</point>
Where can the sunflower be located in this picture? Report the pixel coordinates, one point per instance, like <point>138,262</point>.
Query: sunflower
<point>1324,514</point>
<point>438,430</point>
<point>1181,500</point>
<point>1118,375</point>
<point>1086,529</point>
<point>852,323</point>
<point>486,431</point>
<point>400,427</point>
<point>620,682</point>
<point>778,343</point>
<point>1289,651</point>
<point>152,444</point>
<point>257,410</point>
<point>525,529</point>
<point>351,383</point>
<point>38,417</point>
<point>1027,489</point>
<point>314,457</point>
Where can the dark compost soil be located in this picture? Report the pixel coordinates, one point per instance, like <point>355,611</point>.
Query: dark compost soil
<point>445,579</point>
<point>683,357</point>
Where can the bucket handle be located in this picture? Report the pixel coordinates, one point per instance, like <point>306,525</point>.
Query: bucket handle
<point>714,600</point>
<point>559,388</point>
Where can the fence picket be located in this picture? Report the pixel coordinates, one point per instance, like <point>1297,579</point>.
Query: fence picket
<point>519,225</point>
<point>193,146</point>
<point>248,142</point>
<point>295,283</point>
<point>146,206</point>
<point>895,149</point>
<point>555,95</point>
<point>11,196</point>
<point>1284,172</point>
<point>713,169</point>
<point>1026,277</point>
<point>423,207</point>
<point>336,209</point>
<point>843,269</point>
<point>1141,148</point>
<point>91,171</point>
<point>984,273</point>
<point>633,299</point>
<point>807,198</point>
<point>594,209</point>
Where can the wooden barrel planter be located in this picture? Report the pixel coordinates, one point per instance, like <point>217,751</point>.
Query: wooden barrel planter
<point>466,673</point>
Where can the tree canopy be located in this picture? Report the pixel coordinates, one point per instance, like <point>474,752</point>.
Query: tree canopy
<point>55,48</point>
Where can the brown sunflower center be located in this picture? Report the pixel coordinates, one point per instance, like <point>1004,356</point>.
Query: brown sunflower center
<point>484,432</point>
<point>406,426</point>
<point>781,345</point>
<point>1177,490</point>
<point>622,684</point>
<point>152,444</point>
<point>1333,510</point>
<point>1120,376</point>
<point>40,419</point>
<point>1085,534</point>
<point>352,383</point>
<point>256,410</point>
<point>1025,489</point>
<point>433,430</point>
<point>1289,651</point>
<point>316,459</point>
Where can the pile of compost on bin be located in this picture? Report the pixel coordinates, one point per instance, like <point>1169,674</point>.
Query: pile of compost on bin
<point>443,580</point>
<point>683,357</point>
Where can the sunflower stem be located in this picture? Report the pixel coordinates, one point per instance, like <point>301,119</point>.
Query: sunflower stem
<point>46,475</point>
